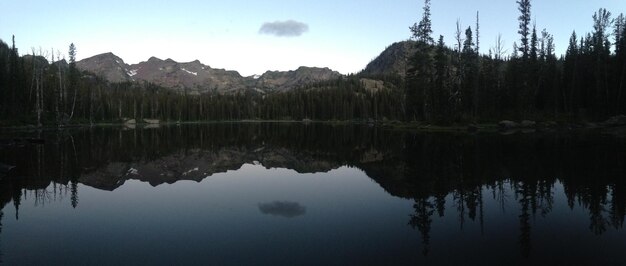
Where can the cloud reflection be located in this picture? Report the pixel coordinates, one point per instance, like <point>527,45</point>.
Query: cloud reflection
<point>282,208</point>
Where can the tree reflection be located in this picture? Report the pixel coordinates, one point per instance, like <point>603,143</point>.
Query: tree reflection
<point>74,197</point>
<point>526,199</point>
<point>617,210</point>
<point>17,199</point>
<point>424,209</point>
<point>1,216</point>
<point>518,173</point>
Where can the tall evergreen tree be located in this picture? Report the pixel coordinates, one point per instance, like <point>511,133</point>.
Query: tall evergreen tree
<point>478,70</point>
<point>470,58</point>
<point>533,44</point>
<point>620,54</point>
<point>441,104</point>
<point>619,27</point>
<point>478,32</point>
<point>419,79</point>
<point>601,52</point>
<point>13,106</point>
<point>73,78</point>
<point>524,26</point>
<point>422,31</point>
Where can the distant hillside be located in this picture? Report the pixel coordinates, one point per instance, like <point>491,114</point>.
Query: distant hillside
<point>107,66</point>
<point>284,81</point>
<point>392,61</point>
<point>198,77</point>
<point>192,75</point>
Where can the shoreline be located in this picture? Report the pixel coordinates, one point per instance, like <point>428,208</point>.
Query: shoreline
<point>391,125</point>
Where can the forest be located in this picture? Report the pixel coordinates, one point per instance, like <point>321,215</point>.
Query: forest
<point>443,85</point>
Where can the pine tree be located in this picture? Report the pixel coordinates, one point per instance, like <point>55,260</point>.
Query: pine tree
<point>524,26</point>
<point>570,76</point>
<point>419,76</point>
<point>470,67</point>
<point>4,73</point>
<point>601,52</point>
<point>478,69</point>
<point>441,94</point>
<point>73,78</point>
<point>620,54</point>
<point>14,76</point>
<point>478,33</point>
<point>422,32</point>
<point>531,78</point>
<point>533,44</point>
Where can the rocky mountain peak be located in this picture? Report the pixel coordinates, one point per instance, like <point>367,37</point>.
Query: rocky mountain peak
<point>107,65</point>
<point>154,59</point>
<point>197,77</point>
<point>284,81</point>
<point>392,61</point>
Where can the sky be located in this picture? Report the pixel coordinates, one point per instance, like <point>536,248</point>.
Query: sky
<point>254,36</point>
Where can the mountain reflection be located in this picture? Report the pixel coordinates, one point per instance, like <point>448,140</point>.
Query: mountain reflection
<point>429,169</point>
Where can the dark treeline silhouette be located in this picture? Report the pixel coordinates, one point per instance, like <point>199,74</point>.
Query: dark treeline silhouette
<point>37,92</point>
<point>517,172</point>
<point>457,84</point>
<point>443,85</point>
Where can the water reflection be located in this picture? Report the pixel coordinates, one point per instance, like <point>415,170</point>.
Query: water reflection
<point>282,208</point>
<point>1,216</point>
<point>444,175</point>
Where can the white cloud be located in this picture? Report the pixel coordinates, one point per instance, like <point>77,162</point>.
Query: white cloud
<point>289,28</point>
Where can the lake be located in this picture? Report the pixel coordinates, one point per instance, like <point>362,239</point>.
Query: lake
<point>311,194</point>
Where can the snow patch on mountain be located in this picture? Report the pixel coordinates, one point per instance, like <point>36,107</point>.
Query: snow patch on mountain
<point>192,73</point>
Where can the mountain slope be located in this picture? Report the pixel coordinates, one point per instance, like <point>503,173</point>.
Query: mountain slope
<point>192,75</point>
<point>200,78</point>
<point>284,81</point>
<point>107,65</point>
<point>392,61</point>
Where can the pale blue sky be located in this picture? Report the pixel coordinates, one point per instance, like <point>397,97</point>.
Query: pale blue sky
<point>342,35</point>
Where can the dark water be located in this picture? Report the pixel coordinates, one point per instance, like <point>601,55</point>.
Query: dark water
<point>291,194</point>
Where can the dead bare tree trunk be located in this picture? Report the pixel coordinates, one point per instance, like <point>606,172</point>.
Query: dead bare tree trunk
<point>201,112</point>
<point>37,78</point>
<point>119,108</point>
<point>621,88</point>
<point>91,92</point>
<point>134,107</point>
<point>58,100</point>
<point>61,105</point>
<point>38,97</point>
<point>74,102</point>
<point>152,109</point>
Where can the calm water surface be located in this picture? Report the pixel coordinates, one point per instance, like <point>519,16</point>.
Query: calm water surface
<point>291,194</point>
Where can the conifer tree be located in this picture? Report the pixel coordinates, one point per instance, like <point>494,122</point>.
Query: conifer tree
<point>524,26</point>
<point>73,77</point>
<point>419,76</point>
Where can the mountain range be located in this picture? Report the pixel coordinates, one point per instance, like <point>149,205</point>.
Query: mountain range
<point>196,77</point>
